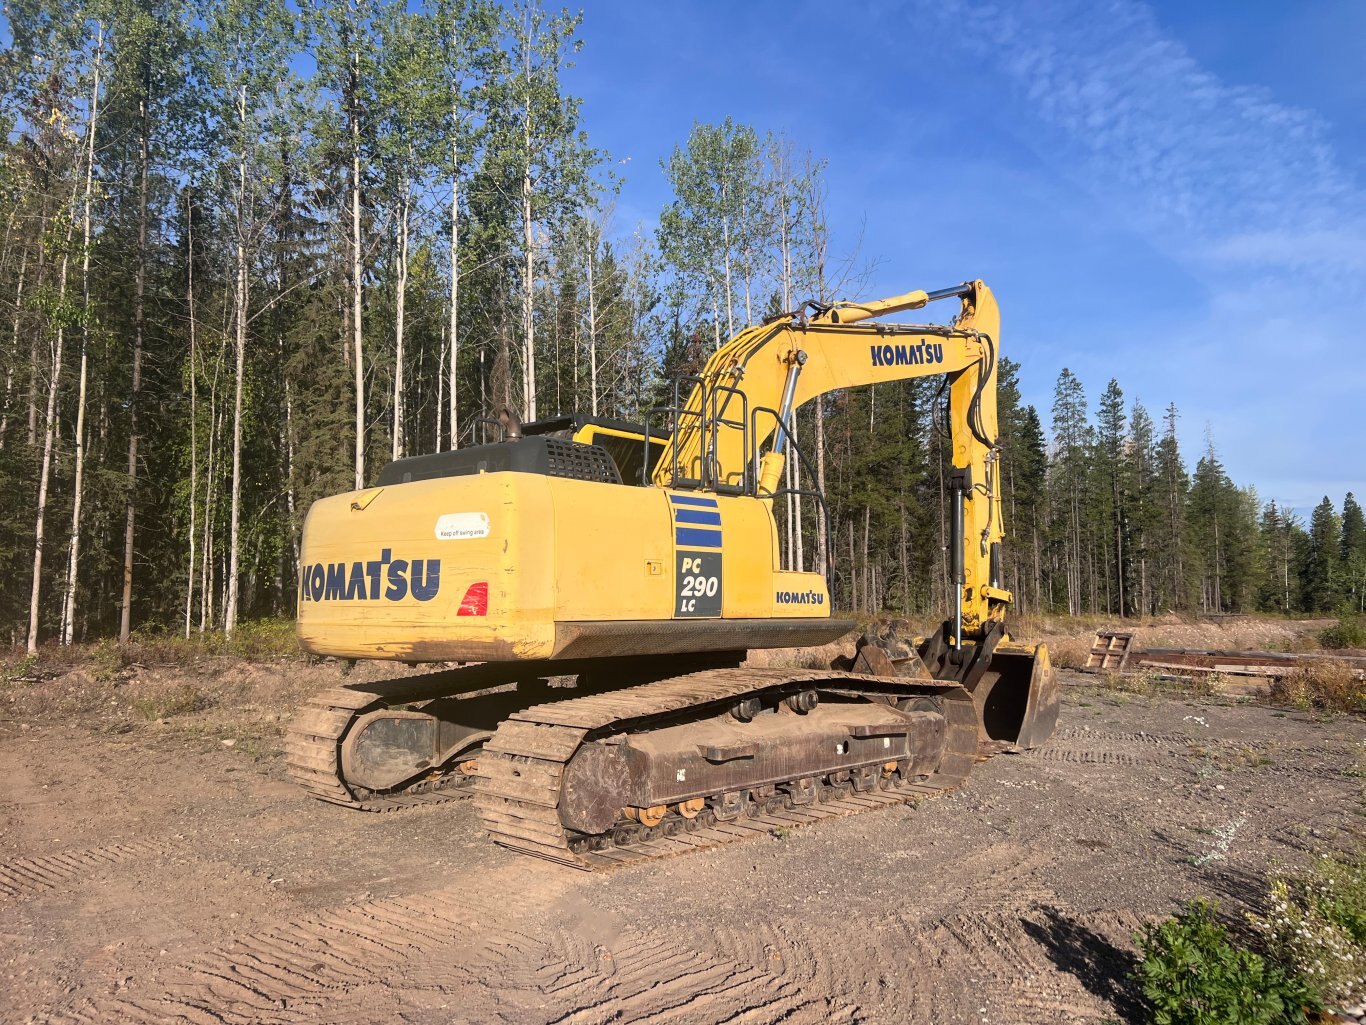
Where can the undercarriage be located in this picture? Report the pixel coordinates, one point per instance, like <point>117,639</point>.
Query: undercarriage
<point>598,762</point>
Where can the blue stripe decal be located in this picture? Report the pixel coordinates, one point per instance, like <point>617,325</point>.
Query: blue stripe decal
<point>711,519</point>
<point>692,537</point>
<point>709,503</point>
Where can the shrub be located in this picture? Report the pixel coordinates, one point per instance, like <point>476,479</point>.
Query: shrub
<point>1324,684</point>
<point>1068,652</point>
<point>1193,975</point>
<point>1348,632</point>
<point>1317,926</point>
<point>1290,689</point>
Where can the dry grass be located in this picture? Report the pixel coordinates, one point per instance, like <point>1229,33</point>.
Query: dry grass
<point>1068,652</point>
<point>1323,685</point>
<point>265,640</point>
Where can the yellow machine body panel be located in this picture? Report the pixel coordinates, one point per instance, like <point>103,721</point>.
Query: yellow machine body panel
<point>515,566</point>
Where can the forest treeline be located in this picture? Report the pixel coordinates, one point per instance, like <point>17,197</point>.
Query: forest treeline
<point>250,250</point>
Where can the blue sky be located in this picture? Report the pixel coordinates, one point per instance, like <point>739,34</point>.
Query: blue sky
<point>1169,194</point>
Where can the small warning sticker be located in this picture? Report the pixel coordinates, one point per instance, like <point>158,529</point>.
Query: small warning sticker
<point>462,526</point>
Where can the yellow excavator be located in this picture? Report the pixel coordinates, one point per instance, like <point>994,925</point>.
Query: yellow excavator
<point>600,584</point>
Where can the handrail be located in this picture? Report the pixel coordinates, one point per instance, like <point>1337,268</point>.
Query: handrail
<point>816,495</point>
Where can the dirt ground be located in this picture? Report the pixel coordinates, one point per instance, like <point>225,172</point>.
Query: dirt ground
<point>150,872</point>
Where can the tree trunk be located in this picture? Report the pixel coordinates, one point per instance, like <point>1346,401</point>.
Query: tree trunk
<point>194,414</point>
<point>528,240</point>
<point>867,559</point>
<point>290,499</point>
<point>730,304</point>
<point>528,286</point>
<point>440,391</point>
<point>822,554</point>
<point>210,479</point>
<point>1119,545</point>
<point>455,274</point>
<point>49,434</point>
<point>139,321</point>
<point>241,302</point>
<point>33,350</point>
<point>74,560</point>
<point>14,343</point>
<point>358,357</point>
<point>400,300</point>
<point>592,329</point>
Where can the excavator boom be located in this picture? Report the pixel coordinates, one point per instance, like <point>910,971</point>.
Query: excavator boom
<point>752,386</point>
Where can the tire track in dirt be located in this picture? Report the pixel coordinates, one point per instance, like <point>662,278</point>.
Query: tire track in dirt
<point>1090,733</point>
<point>26,877</point>
<point>649,979</point>
<point>258,977</point>
<point>1018,966</point>
<point>1091,756</point>
<point>1084,745</point>
<point>963,963</point>
<point>347,966</point>
<point>1001,882</point>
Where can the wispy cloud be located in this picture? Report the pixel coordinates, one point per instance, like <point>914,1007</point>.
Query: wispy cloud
<point>1245,194</point>
<point>1219,173</point>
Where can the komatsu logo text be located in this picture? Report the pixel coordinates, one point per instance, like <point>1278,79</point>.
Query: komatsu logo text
<point>800,598</point>
<point>907,355</point>
<point>384,578</point>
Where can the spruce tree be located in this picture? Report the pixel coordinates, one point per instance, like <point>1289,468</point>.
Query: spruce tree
<point>1353,556</point>
<point>1322,566</point>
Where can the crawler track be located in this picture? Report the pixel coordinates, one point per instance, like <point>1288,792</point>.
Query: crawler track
<point>313,748</point>
<point>313,744</point>
<point>520,771</point>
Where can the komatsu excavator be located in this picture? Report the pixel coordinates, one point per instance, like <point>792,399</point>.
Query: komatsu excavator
<point>600,584</point>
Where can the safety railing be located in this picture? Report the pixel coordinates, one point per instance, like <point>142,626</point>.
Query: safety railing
<point>783,429</point>
<point>713,414</point>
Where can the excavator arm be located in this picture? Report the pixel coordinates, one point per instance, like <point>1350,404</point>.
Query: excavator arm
<point>749,389</point>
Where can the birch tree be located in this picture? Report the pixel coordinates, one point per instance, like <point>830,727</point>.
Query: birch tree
<point>717,218</point>
<point>410,103</point>
<point>249,46</point>
<point>546,151</point>
<point>87,316</point>
<point>466,30</point>
<point>345,46</point>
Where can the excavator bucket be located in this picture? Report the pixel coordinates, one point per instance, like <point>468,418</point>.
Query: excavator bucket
<point>1017,698</point>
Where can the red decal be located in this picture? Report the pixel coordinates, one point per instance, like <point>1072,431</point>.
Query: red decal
<point>476,600</point>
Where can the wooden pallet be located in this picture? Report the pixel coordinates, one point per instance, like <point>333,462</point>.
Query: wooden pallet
<point>1109,651</point>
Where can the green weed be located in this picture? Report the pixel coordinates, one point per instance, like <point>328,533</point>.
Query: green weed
<point>181,699</point>
<point>1192,974</point>
<point>1317,924</point>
